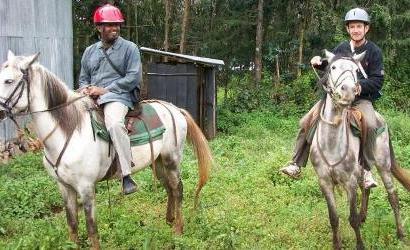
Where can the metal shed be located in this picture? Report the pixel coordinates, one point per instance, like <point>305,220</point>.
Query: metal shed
<point>187,82</point>
<point>30,26</point>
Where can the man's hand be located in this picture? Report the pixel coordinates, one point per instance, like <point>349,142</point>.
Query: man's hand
<point>358,89</point>
<point>93,91</point>
<point>316,60</point>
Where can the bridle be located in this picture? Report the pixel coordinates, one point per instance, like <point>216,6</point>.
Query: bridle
<point>332,85</point>
<point>18,91</point>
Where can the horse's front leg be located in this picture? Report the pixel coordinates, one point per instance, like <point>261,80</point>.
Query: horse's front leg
<point>327,190</point>
<point>364,203</point>
<point>88,198</point>
<point>71,206</point>
<point>354,218</point>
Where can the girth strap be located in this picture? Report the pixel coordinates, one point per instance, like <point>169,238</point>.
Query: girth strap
<point>154,167</point>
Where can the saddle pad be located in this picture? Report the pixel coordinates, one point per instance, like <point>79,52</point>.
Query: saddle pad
<point>139,135</point>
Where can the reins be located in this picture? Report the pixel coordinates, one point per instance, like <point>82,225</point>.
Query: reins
<point>346,120</point>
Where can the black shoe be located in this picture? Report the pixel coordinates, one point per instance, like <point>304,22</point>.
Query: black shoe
<point>128,185</point>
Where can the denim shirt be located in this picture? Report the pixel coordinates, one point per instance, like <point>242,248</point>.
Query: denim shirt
<point>96,70</point>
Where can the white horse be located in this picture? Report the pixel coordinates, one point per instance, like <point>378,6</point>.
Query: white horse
<point>335,150</point>
<point>75,159</point>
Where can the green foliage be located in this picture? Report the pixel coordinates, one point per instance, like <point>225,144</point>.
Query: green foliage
<point>35,198</point>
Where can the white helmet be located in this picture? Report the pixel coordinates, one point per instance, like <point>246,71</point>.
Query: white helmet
<point>357,14</point>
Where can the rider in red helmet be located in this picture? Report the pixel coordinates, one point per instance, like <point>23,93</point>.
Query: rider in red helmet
<point>370,76</point>
<point>111,73</point>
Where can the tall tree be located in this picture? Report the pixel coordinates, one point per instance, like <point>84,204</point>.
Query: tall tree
<point>258,47</point>
<point>184,27</point>
<point>166,26</point>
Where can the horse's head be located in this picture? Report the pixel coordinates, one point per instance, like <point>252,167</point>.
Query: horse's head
<point>14,84</point>
<point>342,83</point>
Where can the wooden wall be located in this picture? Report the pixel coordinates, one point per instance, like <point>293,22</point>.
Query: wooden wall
<point>30,26</point>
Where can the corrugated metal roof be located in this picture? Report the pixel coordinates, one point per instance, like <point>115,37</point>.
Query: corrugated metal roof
<point>196,59</point>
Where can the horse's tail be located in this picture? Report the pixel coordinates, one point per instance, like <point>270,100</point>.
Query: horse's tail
<point>202,151</point>
<point>401,174</point>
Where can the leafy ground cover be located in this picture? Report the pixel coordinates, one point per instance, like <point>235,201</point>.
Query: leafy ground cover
<point>247,204</point>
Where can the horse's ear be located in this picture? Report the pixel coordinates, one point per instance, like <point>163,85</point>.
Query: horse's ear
<point>359,57</point>
<point>329,55</point>
<point>26,63</point>
<point>10,55</point>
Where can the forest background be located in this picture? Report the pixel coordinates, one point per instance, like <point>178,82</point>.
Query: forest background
<point>266,44</point>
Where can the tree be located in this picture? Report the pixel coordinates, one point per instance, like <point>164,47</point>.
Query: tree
<point>167,21</point>
<point>258,46</point>
<point>184,27</point>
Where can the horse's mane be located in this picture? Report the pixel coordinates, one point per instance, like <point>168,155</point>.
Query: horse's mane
<point>56,93</point>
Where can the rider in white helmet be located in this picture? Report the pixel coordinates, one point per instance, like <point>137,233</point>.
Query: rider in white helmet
<point>370,76</point>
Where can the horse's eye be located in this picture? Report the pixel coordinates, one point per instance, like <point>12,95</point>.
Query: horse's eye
<point>333,67</point>
<point>9,81</point>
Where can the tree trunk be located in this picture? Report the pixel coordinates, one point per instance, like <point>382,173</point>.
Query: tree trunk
<point>258,47</point>
<point>300,51</point>
<point>276,78</point>
<point>184,29</point>
<point>167,20</point>
<point>135,2</point>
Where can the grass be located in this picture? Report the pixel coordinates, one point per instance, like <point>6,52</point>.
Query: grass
<point>247,204</point>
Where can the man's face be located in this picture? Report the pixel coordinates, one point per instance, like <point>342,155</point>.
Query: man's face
<point>357,30</point>
<point>109,31</point>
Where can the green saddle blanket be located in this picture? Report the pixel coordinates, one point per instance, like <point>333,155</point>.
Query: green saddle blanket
<point>145,126</point>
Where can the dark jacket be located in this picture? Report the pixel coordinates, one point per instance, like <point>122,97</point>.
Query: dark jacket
<point>372,65</point>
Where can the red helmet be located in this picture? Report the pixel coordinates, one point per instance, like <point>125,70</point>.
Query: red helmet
<point>108,14</point>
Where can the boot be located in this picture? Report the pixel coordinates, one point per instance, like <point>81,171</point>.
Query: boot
<point>292,170</point>
<point>128,185</point>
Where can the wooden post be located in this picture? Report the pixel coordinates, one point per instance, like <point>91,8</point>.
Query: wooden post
<point>209,125</point>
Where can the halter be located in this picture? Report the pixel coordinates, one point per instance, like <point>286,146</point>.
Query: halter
<point>332,86</point>
<point>18,90</point>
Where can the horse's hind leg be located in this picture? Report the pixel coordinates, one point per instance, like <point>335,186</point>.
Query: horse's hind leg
<point>88,198</point>
<point>383,163</point>
<point>174,187</point>
<point>161,175</point>
<point>71,206</point>
<point>327,191</point>
<point>354,216</point>
<point>393,200</point>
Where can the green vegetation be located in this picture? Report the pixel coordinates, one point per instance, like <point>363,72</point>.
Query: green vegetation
<point>247,204</point>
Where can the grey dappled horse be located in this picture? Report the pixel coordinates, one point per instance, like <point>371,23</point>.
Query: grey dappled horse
<point>77,160</point>
<point>335,150</point>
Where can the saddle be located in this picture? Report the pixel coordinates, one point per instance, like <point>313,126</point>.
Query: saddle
<point>354,117</point>
<point>143,124</point>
